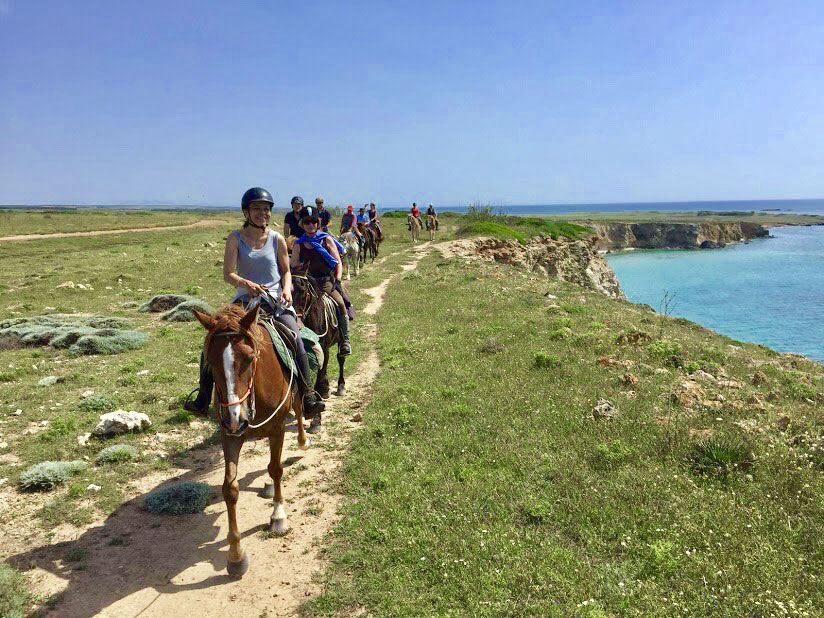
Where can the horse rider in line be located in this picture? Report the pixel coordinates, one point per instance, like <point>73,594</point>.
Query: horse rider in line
<point>374,221</point>
<point>416,213</point>
<point>256,264</point>
<point>348,224</point>
<point>325,215</point>
<point>291,222</point>
<point>320,253</point>
<point>431,212</point>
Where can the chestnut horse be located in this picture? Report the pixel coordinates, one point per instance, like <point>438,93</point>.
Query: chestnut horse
<point>431,226</point>
<point>414,227</point>
<point>253,393</point>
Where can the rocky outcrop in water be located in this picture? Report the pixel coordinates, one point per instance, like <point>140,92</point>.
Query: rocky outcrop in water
<point>673,235</point>
<point>575,261</point>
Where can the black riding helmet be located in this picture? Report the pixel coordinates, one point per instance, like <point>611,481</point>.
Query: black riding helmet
<point>255,194</point>
<point>297,200</point>
<point>309,213</point>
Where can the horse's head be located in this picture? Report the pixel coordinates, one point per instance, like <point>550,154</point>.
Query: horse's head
<point>304,294</point>
<point>231,350</point>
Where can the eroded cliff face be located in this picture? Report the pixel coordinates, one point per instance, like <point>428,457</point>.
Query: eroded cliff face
<point>575,261</point>
<point>673,235</point>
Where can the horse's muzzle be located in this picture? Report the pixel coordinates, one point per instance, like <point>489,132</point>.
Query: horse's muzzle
<point>243,425</point>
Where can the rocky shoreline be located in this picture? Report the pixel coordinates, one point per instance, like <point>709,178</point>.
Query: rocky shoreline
<point>617,236</point>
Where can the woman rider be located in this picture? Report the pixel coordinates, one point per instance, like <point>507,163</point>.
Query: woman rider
<point>256,263</point>
<point>319,252</point>
<point>374,221</point>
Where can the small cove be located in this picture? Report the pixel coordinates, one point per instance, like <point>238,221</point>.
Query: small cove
<point>769,291</point>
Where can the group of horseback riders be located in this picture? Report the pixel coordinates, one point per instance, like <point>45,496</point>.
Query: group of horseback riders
<point>365,225</point>
<point>257,263</point>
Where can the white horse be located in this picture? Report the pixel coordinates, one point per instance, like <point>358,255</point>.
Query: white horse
<point>351,253</point>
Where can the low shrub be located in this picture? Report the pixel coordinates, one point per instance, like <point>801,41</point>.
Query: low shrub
<point>562,322</point>
<point>183,311</point>
<point>109,343</point>
<point>720,456</point>
<point>547,361</point>
<point>575,309</point>
<point>560,334</point>
<point>48,474</point>
<point>179,499</point>
<point>613,454</point>
<point>116,453</point>
<point>538,512</point>
<point>664,348</point>
<point>98,403</point>
<point>713,354</point>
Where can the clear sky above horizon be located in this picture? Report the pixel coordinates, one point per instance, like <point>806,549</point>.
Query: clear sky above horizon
<point>192,102</point>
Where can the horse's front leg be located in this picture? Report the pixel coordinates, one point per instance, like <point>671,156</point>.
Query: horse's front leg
<point>278,523</point>
<point>341,382</point>
<point>322,382</point>
<point>238,561</point>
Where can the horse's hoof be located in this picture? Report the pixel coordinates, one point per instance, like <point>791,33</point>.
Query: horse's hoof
<point>340,392</point>
<point>237,569</point>
<point>324,394</point>
<point>278,527</point>
<point>268,491</point>
<point>305,446</point>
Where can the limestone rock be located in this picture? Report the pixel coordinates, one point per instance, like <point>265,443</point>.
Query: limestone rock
<point>604,410</point>
<point>629,379</point>
<point>83,439</point>
<point>688,393</point>
<point>729,384</point>
<point>702,376</point>
<point>49,381</point>
<point>120,421</point>
<point>759,378</point>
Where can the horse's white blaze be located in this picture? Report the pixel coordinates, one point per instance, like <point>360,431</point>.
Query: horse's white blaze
<point>231,390</point>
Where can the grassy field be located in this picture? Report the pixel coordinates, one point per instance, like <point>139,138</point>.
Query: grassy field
<point>482,485</point>
<point>43,221</point>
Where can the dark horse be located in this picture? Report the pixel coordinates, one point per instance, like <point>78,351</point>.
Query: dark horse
<point>370,240</point>
<point>253,393</point>
<point>319,313</point>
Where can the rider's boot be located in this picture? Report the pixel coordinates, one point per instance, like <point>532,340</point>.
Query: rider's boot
<point>344,347</point>
<point>312,404</point>
<point>200,404</point>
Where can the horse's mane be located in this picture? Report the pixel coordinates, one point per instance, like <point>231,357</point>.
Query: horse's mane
<point>227,319</point>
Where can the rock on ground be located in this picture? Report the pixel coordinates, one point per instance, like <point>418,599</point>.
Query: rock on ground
<point>121,421</point>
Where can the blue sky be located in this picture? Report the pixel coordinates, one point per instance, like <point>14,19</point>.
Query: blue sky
<point>192,102</point>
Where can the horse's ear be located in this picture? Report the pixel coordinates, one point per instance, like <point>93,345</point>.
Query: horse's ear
<point>205,319</point>
<point>250,318</point>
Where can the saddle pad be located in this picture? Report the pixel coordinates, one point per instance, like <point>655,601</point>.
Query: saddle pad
<point>310,340</point>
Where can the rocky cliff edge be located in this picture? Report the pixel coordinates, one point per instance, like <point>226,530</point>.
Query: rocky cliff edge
<point>575,261</point>
<point>673,235</point>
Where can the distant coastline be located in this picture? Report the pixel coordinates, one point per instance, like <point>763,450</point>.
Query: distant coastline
<point>791,206</point>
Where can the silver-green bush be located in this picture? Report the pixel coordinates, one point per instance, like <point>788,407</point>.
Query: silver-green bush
<point>48,474</point>
<point>179,498</point>
<point>116,453</point>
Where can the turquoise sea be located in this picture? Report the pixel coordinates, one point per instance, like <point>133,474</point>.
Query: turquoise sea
<point>770,291</point>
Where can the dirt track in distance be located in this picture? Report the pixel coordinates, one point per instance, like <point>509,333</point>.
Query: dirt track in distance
<point>201,223</point>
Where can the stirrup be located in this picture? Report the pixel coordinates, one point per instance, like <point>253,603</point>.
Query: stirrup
<point>190,406</point>
<point>344,348</point>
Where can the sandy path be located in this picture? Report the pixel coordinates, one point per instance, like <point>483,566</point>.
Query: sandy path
<point>168,566</point>
<point>201,223</point>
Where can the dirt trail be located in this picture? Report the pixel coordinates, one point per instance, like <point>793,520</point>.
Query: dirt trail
<point>201,223</point>
<point>143,565</point>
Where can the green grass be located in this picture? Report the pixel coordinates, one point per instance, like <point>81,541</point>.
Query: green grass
<point>14,596</point>
<point>490,491</point>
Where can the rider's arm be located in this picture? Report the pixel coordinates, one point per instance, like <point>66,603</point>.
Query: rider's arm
<point>295,261</point>
<point>285,272</point>
<point>333,250</point>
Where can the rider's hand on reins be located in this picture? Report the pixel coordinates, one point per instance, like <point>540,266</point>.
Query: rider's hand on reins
<point>253,288</point>
<point>286,298</point>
